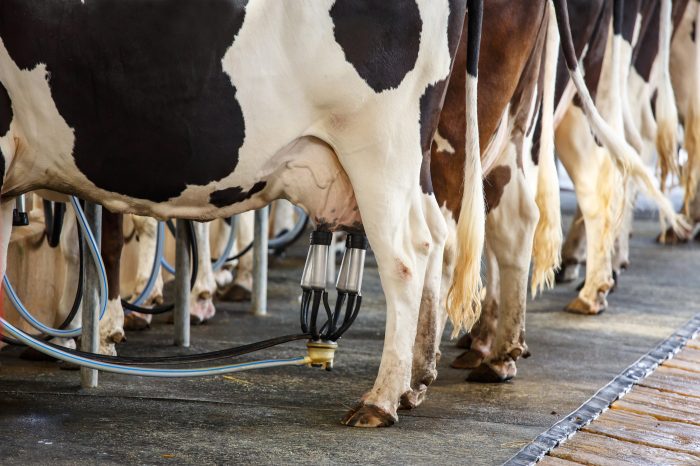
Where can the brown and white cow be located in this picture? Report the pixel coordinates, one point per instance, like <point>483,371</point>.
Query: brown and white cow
<point>523,220</point>
<point>521,187</point>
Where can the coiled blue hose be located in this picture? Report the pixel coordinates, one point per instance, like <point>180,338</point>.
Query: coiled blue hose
<point>102,278</point>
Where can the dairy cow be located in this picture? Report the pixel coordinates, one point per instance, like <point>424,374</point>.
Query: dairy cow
<point>516,125</point>
<point>520,45</point>
<point>604,217</point>
<point>206,109</point>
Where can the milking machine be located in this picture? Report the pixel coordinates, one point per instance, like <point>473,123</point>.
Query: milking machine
<point>322,336</point>
<point>20,216</point>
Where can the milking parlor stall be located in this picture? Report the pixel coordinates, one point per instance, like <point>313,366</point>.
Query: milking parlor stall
<point>350,232</point>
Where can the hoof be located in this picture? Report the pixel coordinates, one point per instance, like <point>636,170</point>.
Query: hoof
<point>671,238</point>
<point>413,398</point>
<point>368,416</point>
<point>465,342</point>
<point>201,311</point>
<point>136,322</point>
<point>579,306</point>
<point>30,354</point>
<point>468,360</point>
<point>486,373</point>
<point>236,294</point>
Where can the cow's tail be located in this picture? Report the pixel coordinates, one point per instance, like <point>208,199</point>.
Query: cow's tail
<point>623,155</point>
<point>546,249</point>
<point>464,297</point>
<point>666,110</point>
<point>691,172</point>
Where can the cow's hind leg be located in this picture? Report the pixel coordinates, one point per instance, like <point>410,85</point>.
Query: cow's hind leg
<point>430,320</point>
<point>510,229</point>
<point>391,205</point>
<point>597,190</point>
<point>202,297</point>
<point>573,253</point>
<point>480,340</point>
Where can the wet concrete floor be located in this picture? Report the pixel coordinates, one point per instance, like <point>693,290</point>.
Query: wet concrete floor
<point>291,415</point>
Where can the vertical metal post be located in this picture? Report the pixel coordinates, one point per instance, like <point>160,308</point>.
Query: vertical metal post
<point>182,285</point>
<point>90,337</point>
<point>260,243</point>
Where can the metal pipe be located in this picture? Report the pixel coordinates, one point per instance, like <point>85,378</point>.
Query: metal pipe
<point>182,285</point>
<point>90,339</point>
<point>260,246</point>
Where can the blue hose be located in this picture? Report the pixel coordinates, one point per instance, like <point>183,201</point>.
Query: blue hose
<point>102,276</point>
<point>155,271</point>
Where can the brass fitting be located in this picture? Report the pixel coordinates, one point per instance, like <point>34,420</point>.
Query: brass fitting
<point>321,354</point>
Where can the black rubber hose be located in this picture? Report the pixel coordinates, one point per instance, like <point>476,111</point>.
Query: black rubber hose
<point>165,308</point>
<point>54,212</point>
<point>188,359</point>
<point>274,246</point>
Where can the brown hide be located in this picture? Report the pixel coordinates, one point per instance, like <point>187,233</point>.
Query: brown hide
<point>510,33</point>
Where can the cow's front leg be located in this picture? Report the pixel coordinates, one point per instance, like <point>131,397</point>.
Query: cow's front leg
<point>401,240</point>
<point>241,287</point>
<point>430,320</point>
<point>202,297</point>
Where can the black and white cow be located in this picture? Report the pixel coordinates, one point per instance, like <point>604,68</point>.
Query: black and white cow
<point>175,108</point>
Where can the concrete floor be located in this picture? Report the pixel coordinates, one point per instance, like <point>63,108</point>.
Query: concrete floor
<point>291,415</point>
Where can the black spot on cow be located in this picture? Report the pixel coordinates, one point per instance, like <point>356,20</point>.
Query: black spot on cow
<point>380,38</point>
<point>2,167</point>
<point>430,108</point>
<point>5,111</point>
<point>230,196</point>
<point>142,85</point>
<point>433,99</point>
